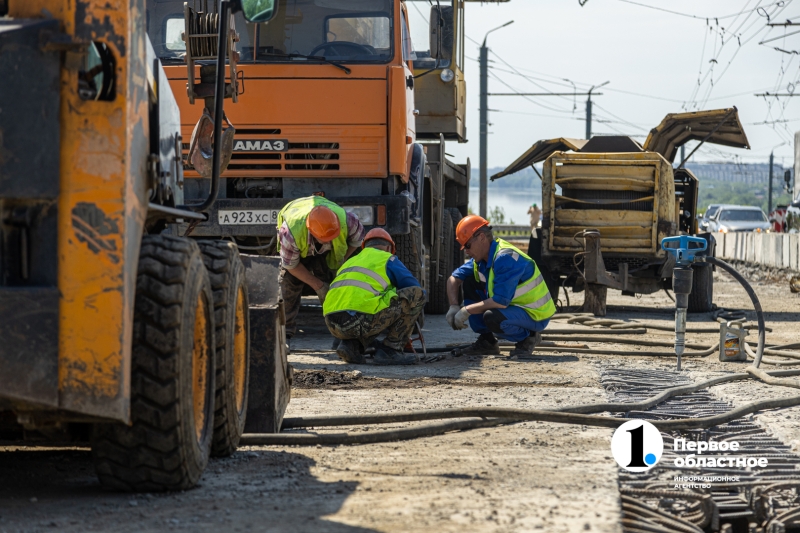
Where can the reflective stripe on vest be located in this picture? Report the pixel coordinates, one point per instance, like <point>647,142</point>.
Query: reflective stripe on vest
<point>531,294</point>
<point>361,285</point>
<point>295,214</point>
<point>366,272</point>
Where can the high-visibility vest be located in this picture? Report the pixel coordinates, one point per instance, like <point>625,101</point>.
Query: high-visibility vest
<point>295,213</point>
<point>361,285</point>
<point>532,294</point>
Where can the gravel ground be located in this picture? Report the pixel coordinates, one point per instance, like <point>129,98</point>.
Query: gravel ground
<point>526,477</point>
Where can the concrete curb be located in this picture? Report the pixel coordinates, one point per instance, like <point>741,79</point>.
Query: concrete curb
<point>780,250</point>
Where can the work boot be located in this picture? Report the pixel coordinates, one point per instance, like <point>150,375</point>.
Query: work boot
<point>384,355</point>
<point>485,345</point>
<point>350,351</point>
<point>525,347</point>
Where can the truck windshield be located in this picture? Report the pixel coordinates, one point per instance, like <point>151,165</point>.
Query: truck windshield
<point>352,31</point>
<point>419,15</point>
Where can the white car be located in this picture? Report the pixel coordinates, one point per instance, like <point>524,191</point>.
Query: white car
<point>731,218</point>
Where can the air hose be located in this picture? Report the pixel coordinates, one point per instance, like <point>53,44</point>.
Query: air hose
<point>483,417</point>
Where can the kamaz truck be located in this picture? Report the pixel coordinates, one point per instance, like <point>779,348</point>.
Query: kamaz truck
<point>335,98</point>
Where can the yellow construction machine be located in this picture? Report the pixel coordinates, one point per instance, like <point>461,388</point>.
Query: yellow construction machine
<point>115,330</point>
<point>628,195</point>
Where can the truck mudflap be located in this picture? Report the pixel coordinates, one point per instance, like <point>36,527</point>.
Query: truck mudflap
<point>257,217</point>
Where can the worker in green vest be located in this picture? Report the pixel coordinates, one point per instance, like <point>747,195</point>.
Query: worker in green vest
<point>504,293</point>
<point>373,294</point>
<point>315,236</point>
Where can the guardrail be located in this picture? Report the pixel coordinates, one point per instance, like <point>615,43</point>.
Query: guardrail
<point>509,230</point>
<point>781,250</point>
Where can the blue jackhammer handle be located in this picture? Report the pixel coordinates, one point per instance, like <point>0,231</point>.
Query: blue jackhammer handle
<point>683,252</point>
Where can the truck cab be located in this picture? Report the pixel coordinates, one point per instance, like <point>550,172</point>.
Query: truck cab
<point>326,106</point>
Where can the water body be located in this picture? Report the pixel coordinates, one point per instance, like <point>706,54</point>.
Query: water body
<point>515,202</point>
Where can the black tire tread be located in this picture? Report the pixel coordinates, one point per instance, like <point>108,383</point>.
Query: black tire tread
<point>404,250</point>
<point>148,455</point>
<point>437,295</point>
<point>701,299</point>
<point>222,260</point>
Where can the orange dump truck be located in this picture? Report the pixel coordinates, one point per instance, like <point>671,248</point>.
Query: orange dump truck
<point>330,100</point>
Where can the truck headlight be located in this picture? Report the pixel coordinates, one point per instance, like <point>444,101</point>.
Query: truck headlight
<point>447,75</point>
<point>723,229</point>
<point>363,212</point>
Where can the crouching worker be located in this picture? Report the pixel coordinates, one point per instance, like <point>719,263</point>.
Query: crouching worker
<point>504,293</point>
<point>374,293</point>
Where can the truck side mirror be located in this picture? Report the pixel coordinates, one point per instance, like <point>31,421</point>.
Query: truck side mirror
<point>258,10</point>
<point>441,32</point>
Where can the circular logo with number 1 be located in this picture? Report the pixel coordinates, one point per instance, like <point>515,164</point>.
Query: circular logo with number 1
<point>637,445</point>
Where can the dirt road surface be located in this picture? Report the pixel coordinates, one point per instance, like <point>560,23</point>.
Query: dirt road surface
<point>526,477</point>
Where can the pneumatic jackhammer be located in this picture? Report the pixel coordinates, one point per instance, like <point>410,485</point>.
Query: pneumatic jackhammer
<point>682,281</point>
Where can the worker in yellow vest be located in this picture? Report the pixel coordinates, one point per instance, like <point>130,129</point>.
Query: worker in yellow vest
<point>504,293</point>
<point>372,294</point>
<point>315,237</point>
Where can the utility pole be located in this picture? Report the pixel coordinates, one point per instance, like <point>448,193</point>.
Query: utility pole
<point>484,129</point>
<point>769,188</point>
<point>589,110</point>
<point>484,112</point>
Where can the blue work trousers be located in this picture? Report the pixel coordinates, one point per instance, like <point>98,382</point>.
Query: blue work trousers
<point>512,323</point>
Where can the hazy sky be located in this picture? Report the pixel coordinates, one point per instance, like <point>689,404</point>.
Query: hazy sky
<point>639,50</point>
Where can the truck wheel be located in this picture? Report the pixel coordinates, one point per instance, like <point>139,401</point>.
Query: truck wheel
<point>702,296</point>
<point>437,296</point>
<point>410,252</point>
<point>458,253</point>
<point>226,272</point>
<point>167,444</point>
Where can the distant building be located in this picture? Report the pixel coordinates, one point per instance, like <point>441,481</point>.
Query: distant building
<point>755,173</point>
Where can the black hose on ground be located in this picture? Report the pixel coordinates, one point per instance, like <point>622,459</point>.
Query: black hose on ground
<point>499,416</point>
<point>483,417</point>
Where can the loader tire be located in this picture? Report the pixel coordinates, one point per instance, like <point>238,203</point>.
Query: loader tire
<point>168,442</point>
<point>438,303</point>
<point>227,275</point>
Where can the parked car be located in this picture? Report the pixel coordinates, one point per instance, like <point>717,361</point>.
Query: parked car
<point>732,218</point>
<point>708,215</point>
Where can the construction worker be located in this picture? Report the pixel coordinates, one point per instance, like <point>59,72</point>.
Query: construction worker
<point>504,293</point>
<point>374,293</point>
<point>315,237</point>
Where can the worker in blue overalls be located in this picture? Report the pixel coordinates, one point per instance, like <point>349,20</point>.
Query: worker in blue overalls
<point>504,293</point>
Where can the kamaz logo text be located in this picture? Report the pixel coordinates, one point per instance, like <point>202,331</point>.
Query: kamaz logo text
<point>279,145</point>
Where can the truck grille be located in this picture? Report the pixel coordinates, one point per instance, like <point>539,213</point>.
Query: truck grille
<point>358,151</point>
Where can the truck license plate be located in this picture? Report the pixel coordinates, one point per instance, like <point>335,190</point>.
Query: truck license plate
<point>247,217</point>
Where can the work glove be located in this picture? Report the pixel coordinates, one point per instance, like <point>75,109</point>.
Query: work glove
<point>451,314</point>
<point>322,292</point>
<point>461,320</point>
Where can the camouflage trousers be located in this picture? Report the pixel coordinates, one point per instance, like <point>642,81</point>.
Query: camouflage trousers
<point>292,288</point>
<point>397,321</point>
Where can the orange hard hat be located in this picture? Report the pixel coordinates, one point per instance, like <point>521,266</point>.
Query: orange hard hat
<point>323,224</point>
<point>468,226</point>
<point>378,233</point>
